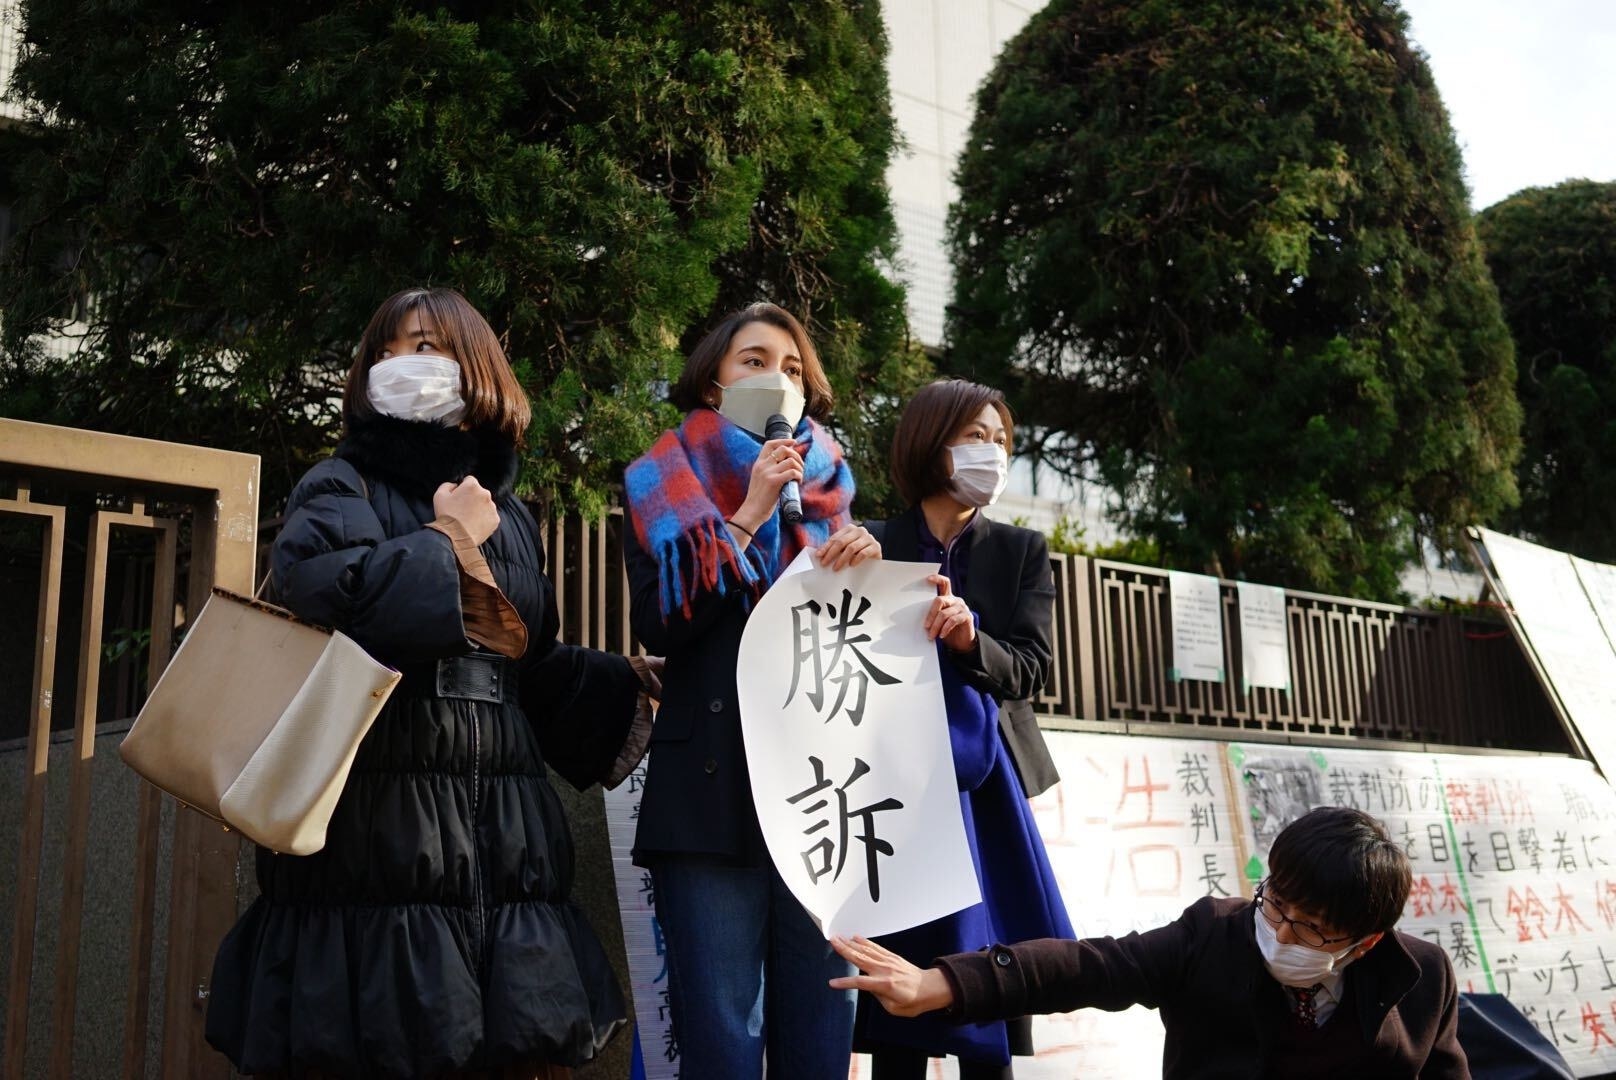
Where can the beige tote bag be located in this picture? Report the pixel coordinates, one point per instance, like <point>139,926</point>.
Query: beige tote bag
<point>256,720</point>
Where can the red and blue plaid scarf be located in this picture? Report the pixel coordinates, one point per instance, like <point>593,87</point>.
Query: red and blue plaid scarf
<point>695,476</point>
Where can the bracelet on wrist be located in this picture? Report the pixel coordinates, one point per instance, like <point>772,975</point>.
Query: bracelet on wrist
<point>735,524</point>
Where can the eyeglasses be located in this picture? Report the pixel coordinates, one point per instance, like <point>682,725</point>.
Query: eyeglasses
<point>1305,933</point>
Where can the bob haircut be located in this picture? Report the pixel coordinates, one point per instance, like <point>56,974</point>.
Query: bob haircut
<point>1343,866</point>
<point>493,396</point>
<point>701,369</point>
<point>933,417</point>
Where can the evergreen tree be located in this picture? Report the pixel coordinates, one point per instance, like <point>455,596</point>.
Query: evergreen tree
<point>229,189</point>
<point>1221,255</point>
<point>822,215</point>
<point>1552,252</point>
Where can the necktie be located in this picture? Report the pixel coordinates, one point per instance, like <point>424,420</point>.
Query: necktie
<point>1305,1015</point>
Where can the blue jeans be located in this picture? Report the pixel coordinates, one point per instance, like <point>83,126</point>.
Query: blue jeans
<point>746,975</point>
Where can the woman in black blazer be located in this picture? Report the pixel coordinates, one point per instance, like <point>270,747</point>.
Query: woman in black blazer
<point>746,965</point>
<point>991,619</point>
<point>950,458</point>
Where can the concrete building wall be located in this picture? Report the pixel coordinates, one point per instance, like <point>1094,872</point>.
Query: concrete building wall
<point>10,41</point>
<point>941,50</point>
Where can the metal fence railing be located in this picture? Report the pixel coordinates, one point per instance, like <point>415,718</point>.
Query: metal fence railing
<point>104,539</point>
<point>1359,670</point>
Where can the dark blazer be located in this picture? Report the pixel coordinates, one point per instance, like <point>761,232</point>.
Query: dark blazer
<point>1011,589</point>
<point>698,793</point>
<point>1225,1015</point>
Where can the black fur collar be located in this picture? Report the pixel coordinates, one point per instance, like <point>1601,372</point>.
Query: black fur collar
<point>418,455</point>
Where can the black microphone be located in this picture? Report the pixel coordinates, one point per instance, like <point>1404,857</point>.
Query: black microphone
<point>791,493</point>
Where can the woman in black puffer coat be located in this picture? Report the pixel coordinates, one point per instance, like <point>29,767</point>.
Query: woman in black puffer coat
<point>433,935</point>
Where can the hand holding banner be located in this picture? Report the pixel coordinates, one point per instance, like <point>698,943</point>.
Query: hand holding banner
<point>847,742</point>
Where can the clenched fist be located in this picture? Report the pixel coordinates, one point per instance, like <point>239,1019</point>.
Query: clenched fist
<point>469,503</point>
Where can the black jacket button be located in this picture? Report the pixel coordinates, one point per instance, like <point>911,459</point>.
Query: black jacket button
<point>710,765</point>
<point>715,705</point>
<point>1002,959</point>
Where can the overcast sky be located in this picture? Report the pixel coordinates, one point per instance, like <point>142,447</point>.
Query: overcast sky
<point>1530,86</point>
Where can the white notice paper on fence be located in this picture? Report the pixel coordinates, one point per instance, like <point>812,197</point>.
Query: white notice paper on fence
<point>847,742</point>
<point>1197,609</point>
<point>1265,652</point>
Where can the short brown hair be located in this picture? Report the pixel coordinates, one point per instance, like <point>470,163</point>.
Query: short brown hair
<point>929,420</point>
<point>493,396</point>
<point>701,368</point>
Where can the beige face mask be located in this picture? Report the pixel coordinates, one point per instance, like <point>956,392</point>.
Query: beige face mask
<point>749,402</point>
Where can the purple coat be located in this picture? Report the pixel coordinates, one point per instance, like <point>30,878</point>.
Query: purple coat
<point>1020,899</point>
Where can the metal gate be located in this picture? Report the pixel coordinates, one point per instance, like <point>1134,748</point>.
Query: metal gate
<point>117,897</point>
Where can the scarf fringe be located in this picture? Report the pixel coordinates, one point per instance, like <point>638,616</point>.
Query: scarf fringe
<point>712,549</point>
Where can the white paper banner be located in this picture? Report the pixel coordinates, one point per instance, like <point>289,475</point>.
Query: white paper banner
<point>1514,864</point>
<point>847,743</point>
<point>1197,609</point>
<point>1265,652</point>
<point>1566,634</point>
<point>1137,830</point>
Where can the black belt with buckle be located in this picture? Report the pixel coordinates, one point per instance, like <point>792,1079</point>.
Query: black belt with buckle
<point>473,677</point>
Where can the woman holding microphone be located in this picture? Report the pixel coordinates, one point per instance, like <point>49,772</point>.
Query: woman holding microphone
<point>704,539</point>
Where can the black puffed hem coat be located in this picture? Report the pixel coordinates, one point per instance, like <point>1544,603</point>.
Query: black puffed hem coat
<point>434,932</point>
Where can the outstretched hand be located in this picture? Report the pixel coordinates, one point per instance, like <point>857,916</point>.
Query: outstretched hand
<point>902,988</point>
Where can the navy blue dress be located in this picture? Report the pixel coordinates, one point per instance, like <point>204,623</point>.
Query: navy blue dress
<point>1020,898</point>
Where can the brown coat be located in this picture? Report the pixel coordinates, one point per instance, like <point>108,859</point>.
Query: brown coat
<point>1222,1010</point>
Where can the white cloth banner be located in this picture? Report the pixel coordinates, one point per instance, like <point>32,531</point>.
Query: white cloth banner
<point>1197,609</point>
<point>1265,651</point>
<point>847,743</point>
<point>1599,582</point>
<point>642,937</point>
<point>1514,862</point>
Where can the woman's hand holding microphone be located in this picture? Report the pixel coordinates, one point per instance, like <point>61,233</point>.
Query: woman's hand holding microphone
<point>779,462</point>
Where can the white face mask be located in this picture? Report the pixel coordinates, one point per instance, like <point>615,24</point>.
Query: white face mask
<point>749,402</point>
<point>418,386</point>
<point>980,472</point>
<point>1292,964</point>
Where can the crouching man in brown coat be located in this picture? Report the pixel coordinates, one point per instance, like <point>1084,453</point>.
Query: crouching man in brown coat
<point>1307,979</point>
